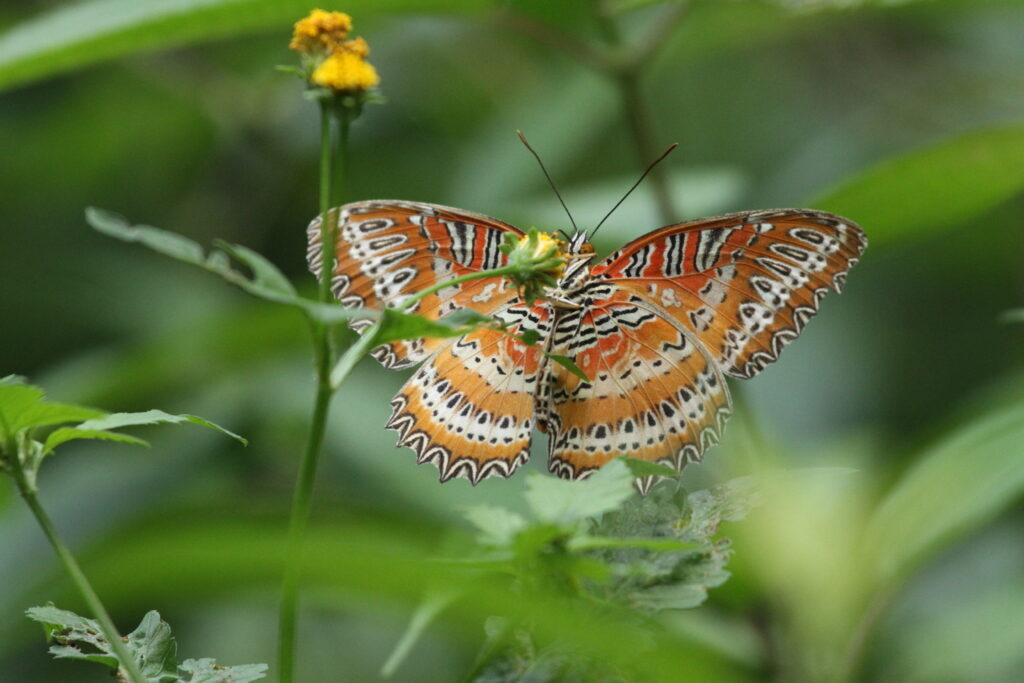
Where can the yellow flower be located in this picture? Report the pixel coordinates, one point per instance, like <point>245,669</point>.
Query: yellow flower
<point>356,46</point>
<point>320,32</point>
<point>346,71</point>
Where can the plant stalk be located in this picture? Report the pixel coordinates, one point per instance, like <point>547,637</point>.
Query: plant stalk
<point>302,498</point>
<point>85,589</point>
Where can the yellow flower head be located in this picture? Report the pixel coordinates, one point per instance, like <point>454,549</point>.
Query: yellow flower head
<point>356,46</point>
<point>320,32</point>
<point>347,72</point>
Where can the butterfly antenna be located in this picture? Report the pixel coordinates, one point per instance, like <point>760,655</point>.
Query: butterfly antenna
<point>642,176</point>
<point>550,182</point>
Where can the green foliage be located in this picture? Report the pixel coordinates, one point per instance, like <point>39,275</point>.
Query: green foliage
<point>950,182</point>
<point>267,283</point>
<point>151,645</point>
<point>24,409</point>
<point>966,479</point>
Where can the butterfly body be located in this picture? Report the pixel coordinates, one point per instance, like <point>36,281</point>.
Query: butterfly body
<point>655,326</point>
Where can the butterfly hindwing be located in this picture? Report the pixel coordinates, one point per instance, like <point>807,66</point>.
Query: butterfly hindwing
<point>744,284</point>
<point>387,250</point>
<point>470,408</point>
<point>654,393</point>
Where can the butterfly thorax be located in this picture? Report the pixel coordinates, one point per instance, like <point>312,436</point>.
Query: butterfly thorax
<point>576,274</point>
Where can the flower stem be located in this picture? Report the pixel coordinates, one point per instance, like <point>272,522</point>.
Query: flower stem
<point>302,498</point>
<point>85,589</point>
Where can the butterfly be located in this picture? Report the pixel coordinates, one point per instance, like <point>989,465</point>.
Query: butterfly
<point>655,327</point>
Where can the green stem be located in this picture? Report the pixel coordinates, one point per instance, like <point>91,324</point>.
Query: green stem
<point>496,272</point>
<point>85,589</point>
<point>302,498</point>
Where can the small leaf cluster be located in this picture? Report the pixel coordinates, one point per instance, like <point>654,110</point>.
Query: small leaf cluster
<point>151,645</point>
<point>599,545</point>
<point>24,411</point>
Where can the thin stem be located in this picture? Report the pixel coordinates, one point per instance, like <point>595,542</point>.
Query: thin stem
<point>302,498</point>
<point>85,589</point>
<point>850,658</point>
<point>495,272</point>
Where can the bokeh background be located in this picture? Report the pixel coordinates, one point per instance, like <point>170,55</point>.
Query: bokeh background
<point>906,116</point>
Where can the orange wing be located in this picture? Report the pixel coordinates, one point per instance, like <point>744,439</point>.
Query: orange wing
<point>744,284</point>
<point>654,392</point>
<point>386,250</point>
<point>469,410</point>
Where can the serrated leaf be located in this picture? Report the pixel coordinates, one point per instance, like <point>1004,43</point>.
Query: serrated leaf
<point>75,636</point>
<point>207,670</point>
<point>497,525</point>
<point>65,434</point>
<point>154,648</point>
<point>152,417</point>
<point>23,406</point>
<point>644,468</point>
<point>567,502</point>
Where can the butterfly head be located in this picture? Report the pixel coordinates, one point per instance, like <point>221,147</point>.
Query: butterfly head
<point>578,255</point>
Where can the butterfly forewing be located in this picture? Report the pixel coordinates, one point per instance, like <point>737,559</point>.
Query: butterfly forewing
<point>387,250</point>
<point>654,392</point>
<point>744,284</point>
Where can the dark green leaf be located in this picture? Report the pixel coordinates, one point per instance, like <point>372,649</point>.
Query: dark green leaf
<point>937,187</point>
<point>529,337</point>
<point>569,365</point>
<point>396,325</point>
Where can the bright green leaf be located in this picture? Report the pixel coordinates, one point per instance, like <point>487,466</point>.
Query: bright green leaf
<point>152,417</point>
<point>962,482</point>
<point>65,434</point>
<point>567,502</point>
<point>23,406</point>
<point>933,188</point>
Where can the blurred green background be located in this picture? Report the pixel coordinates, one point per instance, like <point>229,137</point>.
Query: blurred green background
<point>908,117</point>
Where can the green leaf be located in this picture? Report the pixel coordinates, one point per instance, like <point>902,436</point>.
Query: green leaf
<point>152,417</point>
<point>266,273</point>
<point>933,188</point>
<point>269,283</point>
<point>567,502</point>
<point>23,406</point>
<point>207,670</point>
<point>681,595</point>
<point>960,483</point>
<point>76,36</point>
<point>153,647</point>
<point>396,325</point>
<point>497,525</point>
<point>586,542</point>
<point>568,364</point>
<point>65,434</point>
<point>644,468</point>
<point>425,613</point>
